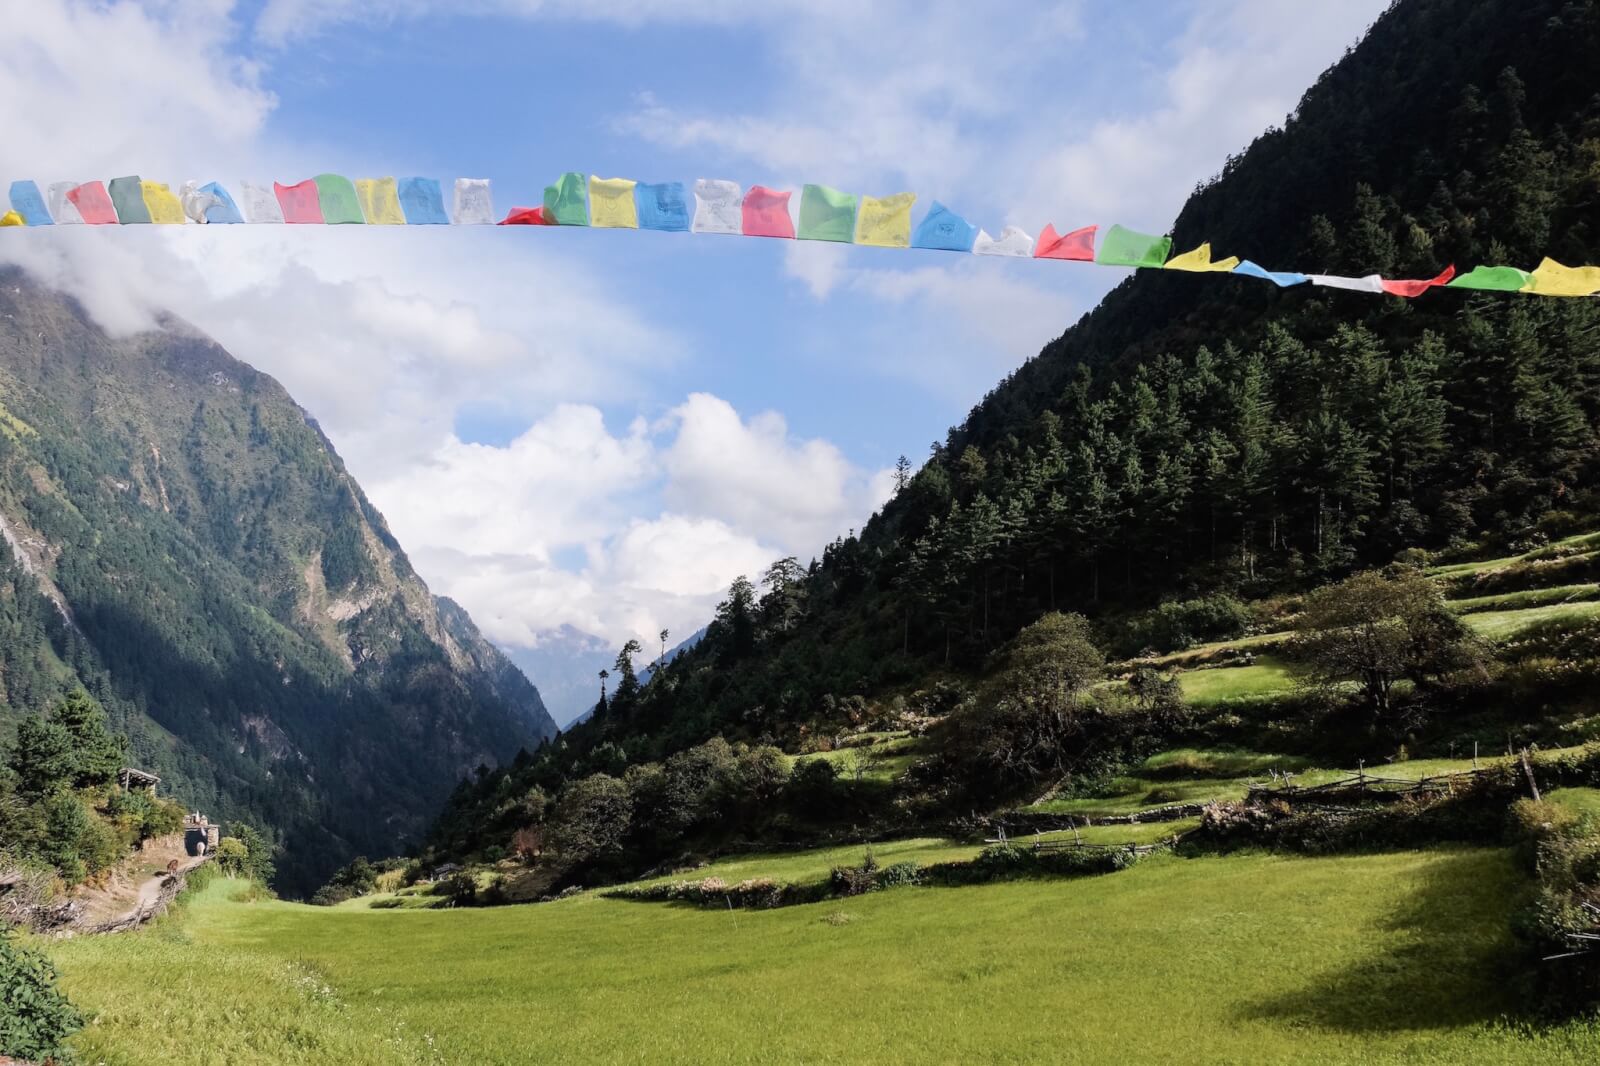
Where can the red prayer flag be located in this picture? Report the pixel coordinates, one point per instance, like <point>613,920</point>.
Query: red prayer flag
<point>1417,288</point>
<point>1077,245</point>
<point>300,203</point>
<point>527,216</point>
<point>766,213</point>
<point>94,204</point>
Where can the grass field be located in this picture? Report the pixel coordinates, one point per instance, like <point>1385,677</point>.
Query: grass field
<point>1267,677</point>
<point>1499,625</point>
<point>1512,601</point>
<point>1373,959</point>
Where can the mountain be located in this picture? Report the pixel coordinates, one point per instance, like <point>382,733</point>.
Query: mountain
<point>1196,435</point>
<point>567,662</point>
<point>181,539</point>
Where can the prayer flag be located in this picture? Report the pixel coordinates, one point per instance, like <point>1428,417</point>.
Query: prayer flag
<point>611,203</point>
<point>196,201</point>
<point>423,202</point>
<point>766,213</point>
<point>945,231</point>
<point>127,196</point>
<point>223,211</point>
<point>885,221</point>
<point>526,216</point>
<point>11,218</point>
<point>474,202</point>
<point>1369,283</point>
<point>826,214</point>
<point>260,203</point>
<point>567,201</point>
<point>1499,279</point>
<point>380,201</point>
<point>718,206</point>
<point>27,202</point>
<point>1417,288</point>
<point>164,207</point>
<point>1553,279</point>
<point>664,206</point>
<point>336,196</point>
<point>62,209</point>
<point>1124,247</point>
<point>299,202</point>
<point>94,204</point>
<point>1280,278</point>
<point>1077,245</point>
<point>1199,261</point>
<point>1012,241</point>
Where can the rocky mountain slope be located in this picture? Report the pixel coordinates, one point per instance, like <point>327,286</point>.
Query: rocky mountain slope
<point>181,538</point>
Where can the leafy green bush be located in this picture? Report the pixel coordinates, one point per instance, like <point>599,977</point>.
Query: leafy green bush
<point>1179,624</point>
<point>35,1018</point>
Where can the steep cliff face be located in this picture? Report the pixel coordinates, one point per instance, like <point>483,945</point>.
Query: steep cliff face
<point>179,536</point>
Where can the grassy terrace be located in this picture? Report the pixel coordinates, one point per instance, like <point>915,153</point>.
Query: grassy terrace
<point>1251,958</point>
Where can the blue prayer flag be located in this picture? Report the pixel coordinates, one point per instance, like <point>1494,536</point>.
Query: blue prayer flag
<point>1280,278</point>
<point>224,211</point>
<point>26,201</point>
<point>423,202</point>
<point>663,206</point>
<point>944,230</point>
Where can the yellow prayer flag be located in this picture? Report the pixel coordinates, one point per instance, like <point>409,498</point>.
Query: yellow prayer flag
<point>164,206</point>
<point>1199,261</point>
<point>611,203</point>
<point>380,201</point>
<point>1553,279</point>
<point>885,221</point>
<point>11,218</point>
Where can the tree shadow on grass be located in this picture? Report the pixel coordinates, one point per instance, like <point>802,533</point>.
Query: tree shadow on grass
<point>1442,959</point>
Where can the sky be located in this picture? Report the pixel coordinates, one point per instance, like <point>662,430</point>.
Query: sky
<point>601,429</point>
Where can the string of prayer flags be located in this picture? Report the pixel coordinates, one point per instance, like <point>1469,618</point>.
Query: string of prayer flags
<point>1496,279</point>
<point>1012,241</point>
<point>1077,245</point>
<point>127,199</point>
<point>826,214</point>
<point>765,213</point>
<point>62,209</point>
<point>885,221</point>
<point>1553,279</point>
<point>567,202</point>
<point>380,201</point>
<point>1282,279</point>
<point>708,205</point>
<point>944,230</point>
<point>611,203</point>
<point>662,206</point>
<point>474,202</point>
<point>422,201</point>
<point>718,206</point>
<point>1417,288</point>
<point>1199,261</point>
<point>1124,247</point>
<point>27,202</point>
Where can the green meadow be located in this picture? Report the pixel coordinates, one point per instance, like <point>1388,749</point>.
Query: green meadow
<point>1251,958</point>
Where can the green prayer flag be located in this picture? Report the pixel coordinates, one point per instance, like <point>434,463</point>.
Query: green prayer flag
<point>566,203</point>
<point>1501,279</point>
<point>826,215</point>
<point>127,196</point>
<point>337,198</point>
<point>1124,247</point>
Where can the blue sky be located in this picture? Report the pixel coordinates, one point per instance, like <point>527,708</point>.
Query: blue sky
<point>602,428</point>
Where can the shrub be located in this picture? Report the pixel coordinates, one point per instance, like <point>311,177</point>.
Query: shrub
<point>1183,623</point>
<point>35,1018</point>
<point>854,880</point>
<point>899,875</point>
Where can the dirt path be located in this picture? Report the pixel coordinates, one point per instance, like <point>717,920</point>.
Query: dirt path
<point>139,886</point>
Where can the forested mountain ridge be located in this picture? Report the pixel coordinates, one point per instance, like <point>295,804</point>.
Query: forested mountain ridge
<point>1206,433</point>
<point>223,587</point>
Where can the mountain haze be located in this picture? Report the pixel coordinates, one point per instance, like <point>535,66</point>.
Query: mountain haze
<point>182,539</point>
